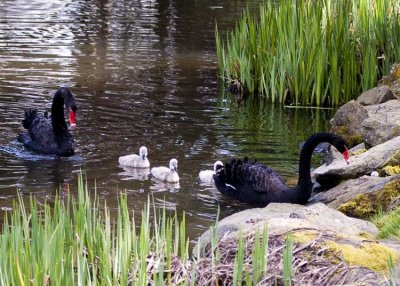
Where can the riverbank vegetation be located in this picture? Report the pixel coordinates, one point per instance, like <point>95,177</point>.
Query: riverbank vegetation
<point>307,52</point>
<point>75,240</point>
<point>388,223</point>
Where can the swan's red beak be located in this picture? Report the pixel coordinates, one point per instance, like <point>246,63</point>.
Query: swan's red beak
<point>346,155</point>
<point>72,118</point>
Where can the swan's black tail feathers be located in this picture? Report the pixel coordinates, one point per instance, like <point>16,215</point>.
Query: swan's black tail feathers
<point>30,116</point>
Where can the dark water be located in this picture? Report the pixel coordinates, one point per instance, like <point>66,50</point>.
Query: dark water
<point>144,73</point>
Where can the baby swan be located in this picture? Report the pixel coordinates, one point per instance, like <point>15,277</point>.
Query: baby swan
<point>206,176</point>
<point>167,174</point>
<point>136,161</point>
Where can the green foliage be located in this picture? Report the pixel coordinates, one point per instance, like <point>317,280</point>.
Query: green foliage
<point>287,261</point>
<point>76,242</point>
<point>388,224</point>
<point>312,52</point>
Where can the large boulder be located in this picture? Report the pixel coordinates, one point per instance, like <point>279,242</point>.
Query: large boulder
<point>373,159</point>
<point>373,124</point>
<point>382,124</point>
<point>347,122</point>
<point>376,95</point>
<point>281,218</point>
<point>328,248</point>
<point>362,197</point>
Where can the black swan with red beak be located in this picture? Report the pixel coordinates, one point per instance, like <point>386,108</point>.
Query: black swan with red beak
<point>259,185</point>
<point>49,134</point>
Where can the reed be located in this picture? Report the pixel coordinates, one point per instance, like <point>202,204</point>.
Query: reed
<point>75,241</point>
<point>309,52</point>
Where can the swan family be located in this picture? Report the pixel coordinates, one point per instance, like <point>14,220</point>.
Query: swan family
<point>246,181</point>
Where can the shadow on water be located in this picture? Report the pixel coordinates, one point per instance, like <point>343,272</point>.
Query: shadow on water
<point>143,73</point>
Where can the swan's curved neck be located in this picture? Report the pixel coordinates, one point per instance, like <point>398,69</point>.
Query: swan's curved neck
<point>304,183</point>
<point>57,115</point>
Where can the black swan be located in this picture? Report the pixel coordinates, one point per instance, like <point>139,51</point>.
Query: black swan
<point>259,185</point>
<point>49,134</point>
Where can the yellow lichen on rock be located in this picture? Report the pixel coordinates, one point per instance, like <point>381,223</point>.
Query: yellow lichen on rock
<point>394,160</point>
<point>366,205</point>
<point>391,170</point>
<point>352,139</point>
<point>358,152</point>
<point>304,236</point>
<point>371,255</point>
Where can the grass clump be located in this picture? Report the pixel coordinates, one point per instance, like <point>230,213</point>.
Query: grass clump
<point>388,224</point>
<point>75,241</point>
<point>311,52</point>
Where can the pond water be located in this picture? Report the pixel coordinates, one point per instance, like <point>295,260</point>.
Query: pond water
<point>143,73</point>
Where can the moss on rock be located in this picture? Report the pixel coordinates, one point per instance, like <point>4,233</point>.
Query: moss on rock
<point>304,236</point>
<point>391,170</point>
<point>359,151</point>
<point>371,255</point>
<point>352,139</point>
<point>395,160</point>
<point>366,205</point>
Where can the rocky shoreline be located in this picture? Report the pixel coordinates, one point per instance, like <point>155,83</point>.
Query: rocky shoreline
<point>333,228</point>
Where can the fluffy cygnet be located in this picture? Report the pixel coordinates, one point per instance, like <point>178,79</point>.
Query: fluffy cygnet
<point>167,174</point>
<point>136,161</point>
<point>206,176</point>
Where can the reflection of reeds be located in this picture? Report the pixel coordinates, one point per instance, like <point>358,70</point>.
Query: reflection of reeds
<point>312,52</point>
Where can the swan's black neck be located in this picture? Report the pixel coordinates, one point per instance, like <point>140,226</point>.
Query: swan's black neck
<point>304,185</point>
<point>57,115</point>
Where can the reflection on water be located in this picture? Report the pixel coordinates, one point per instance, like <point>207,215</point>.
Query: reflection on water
<point>130,173</point>
<point>144,73</point>
<point>160,186</point>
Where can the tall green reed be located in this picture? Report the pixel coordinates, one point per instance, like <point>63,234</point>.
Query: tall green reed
<point>309,52</point>
<point>76,241</point>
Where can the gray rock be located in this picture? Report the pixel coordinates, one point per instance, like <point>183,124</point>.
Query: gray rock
<point>363,164</point>
<point>281,218</point>
<point>373,124</point>
<point>349,116</point>
<point>348,190</point>
<point>334,154</point>
<point>395,88</point>
<point>382,123</point>
<point>376,95</point>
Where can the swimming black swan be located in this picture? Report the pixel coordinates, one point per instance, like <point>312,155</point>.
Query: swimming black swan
<point>259,185</point>
<point>49,134</point>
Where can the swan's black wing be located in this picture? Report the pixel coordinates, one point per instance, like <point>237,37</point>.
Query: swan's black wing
<point>253,176</point>
<point>40,136</point>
